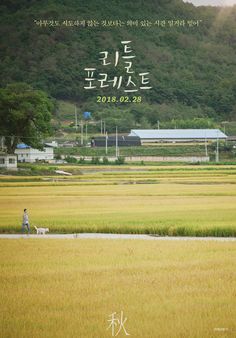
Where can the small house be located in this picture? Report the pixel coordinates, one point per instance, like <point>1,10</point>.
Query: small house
<point>28,154</point>
<point>8,162</point>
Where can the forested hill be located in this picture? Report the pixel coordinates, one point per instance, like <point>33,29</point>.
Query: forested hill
<point>192,66</point>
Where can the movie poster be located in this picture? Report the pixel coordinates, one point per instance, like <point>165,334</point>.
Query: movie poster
<point>117,168</point>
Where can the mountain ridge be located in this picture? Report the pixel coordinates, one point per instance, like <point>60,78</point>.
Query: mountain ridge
<point>192,69</point>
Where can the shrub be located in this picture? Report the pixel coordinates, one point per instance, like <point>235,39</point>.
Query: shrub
<point>95,160</point>
<point>58,156</point>
<point>120,160</point>
<point>105,160</point>
<point>70,159</point>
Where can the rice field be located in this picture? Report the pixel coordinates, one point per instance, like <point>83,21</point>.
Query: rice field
<point>174,200</point>
<point>69,288</point>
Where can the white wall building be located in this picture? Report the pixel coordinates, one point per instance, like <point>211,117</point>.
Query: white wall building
<point>8,162</point>
<point>27,154</point>
<point>177,135</point>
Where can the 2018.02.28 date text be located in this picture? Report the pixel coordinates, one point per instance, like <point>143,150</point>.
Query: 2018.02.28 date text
<point>120,99</point>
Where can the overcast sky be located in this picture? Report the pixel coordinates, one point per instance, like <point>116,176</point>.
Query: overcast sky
<point>212,2</point>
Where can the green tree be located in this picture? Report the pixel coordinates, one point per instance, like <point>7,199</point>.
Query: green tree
<point>25,115</point>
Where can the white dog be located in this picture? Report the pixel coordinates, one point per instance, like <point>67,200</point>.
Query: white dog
<point>41,231</point>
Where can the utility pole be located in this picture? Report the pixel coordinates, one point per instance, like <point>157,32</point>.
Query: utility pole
<point>116,143</point>
<point>217,148</point>
<point>86,132</point>
<point>82,133</point>
<point>76,119</point>
<point>206,147</point>
<point>224,124</point>
<point>158,124</point>
<point>106,142</point>
<point>104,127</point>
<point>206,152</point>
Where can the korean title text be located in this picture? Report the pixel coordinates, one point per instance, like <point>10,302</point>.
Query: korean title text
<point>130,82</point>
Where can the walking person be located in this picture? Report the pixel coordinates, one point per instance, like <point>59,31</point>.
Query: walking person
<point>25,222</point>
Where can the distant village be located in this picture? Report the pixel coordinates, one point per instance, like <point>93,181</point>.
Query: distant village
<point>136,137</point>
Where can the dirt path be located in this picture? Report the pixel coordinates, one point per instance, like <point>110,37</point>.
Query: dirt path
<point>117,236</point>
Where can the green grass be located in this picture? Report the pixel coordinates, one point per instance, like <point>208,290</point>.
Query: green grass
<point>230,128</point>
<point>226,153</point>
<point>160,150</point>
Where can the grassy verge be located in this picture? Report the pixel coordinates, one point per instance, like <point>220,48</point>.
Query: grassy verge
<point>227,152</point>
<point>187,150</point>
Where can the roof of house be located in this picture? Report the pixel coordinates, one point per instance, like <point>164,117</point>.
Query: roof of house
<point>178,133</point>
<point>22,146</point>
<point>25,146</point>
<point>52,144</point>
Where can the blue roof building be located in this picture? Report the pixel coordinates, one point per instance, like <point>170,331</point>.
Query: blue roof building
<point>22,146</point>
